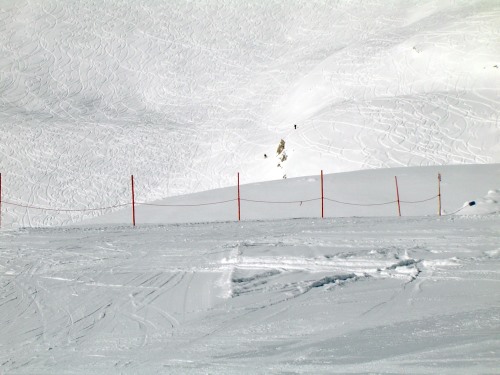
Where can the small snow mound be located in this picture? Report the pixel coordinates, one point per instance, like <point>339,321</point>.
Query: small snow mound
<point>489,204</point>
<point>493,253</point>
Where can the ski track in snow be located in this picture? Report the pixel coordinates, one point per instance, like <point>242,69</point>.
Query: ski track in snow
<point>185,95</point>
<point>337,295</point>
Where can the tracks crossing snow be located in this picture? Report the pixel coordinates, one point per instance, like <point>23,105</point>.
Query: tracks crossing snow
<point>229,292</point>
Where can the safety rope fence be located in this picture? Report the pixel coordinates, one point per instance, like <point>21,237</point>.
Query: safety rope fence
<point>238,199</point>
<point>25,205</point>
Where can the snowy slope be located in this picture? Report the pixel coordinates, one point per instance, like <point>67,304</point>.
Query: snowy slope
<point>374,294</point>
<point>360,295</point>
<point>364,193</point>
<point>185,94</point>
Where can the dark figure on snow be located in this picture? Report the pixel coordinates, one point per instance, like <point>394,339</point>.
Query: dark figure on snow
<point>295,126</point>
<point>265,156</point>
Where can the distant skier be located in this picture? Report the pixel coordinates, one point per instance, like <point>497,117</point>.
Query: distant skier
<point>295,126</point>
<point>265,156</point>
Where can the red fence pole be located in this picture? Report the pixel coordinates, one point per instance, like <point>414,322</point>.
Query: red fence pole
<point>133,201</point>
<point>0,200</point>
<point>322,197</point>
<point>439,194</point>
<point>397,195</point>
<point>239,202</point>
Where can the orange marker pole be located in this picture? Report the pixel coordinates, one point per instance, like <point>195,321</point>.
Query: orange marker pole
<point>239,202</point>
<point>439,194</point>
<point>133,201</point>
<point>397,195</point>
<point>0,200</point>
<point>322,198</point>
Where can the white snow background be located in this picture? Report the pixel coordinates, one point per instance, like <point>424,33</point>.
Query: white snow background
<point>184,95</point>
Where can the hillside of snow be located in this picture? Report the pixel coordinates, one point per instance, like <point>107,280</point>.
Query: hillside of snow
<point>368,193</point>
<point>191,290</point>
<point>186,94</point>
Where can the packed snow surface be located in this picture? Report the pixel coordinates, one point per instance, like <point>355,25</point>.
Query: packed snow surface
<point>410,294</point>
<point>185,94</point>
<point>346,295</point>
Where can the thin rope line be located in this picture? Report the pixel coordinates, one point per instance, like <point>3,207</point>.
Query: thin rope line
<point>453,213</point>
<point>184,205</point>
<point>360,204</point>
<point>24,205</point>
<point>65,209</point>
<point>424,200</point>
<point>280,202</point>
